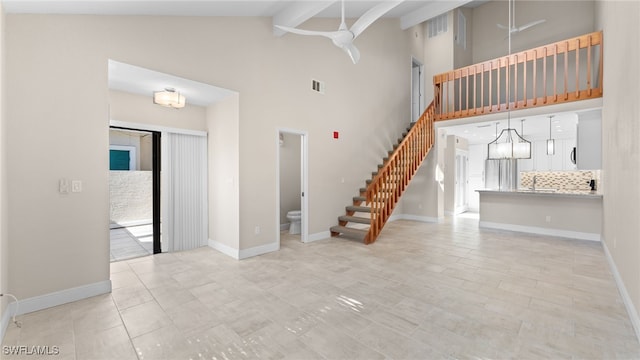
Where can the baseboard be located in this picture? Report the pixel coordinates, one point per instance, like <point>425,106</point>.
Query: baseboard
<point>243,254</point>
<point>628,304</point>
<point>4,322</point>
<point>46,301</point>
<point>319,236</point>
<point>284,227</point>
<point>50,300</point>
<point>541,231</point>
<point>259,250</point>
<point>426,219</point>
<point>225,249</point>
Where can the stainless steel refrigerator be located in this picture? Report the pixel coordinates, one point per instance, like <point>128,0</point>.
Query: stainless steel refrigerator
<point>501,174</point>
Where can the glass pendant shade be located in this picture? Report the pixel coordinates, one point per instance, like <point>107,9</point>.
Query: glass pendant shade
<point>551,147</point>
<point>169,98</point>
<point>509,145</point>
<point>551,144</point>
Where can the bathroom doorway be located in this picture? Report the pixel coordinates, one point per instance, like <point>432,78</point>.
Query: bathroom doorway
<point>292,185</point>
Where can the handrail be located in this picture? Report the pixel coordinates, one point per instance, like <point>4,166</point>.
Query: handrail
<point>481,89</point>
<point>388,185</point>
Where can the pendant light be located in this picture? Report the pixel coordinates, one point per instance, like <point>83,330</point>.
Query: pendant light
<point>509,145</point>
<point>551,144</point>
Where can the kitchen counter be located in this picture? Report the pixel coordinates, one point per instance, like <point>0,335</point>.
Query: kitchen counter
<point>546,192</point>
<point>564,213</point>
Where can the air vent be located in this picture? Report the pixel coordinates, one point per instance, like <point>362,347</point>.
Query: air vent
<point>317,86</point>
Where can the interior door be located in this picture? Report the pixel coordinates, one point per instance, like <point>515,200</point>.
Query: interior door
<point>462,182</point>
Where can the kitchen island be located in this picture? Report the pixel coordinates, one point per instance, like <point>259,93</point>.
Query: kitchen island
<point>573,214</point>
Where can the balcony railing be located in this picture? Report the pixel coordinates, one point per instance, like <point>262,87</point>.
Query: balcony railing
<point>556,73</point>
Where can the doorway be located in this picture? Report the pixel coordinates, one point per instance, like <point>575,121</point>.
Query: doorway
<point>292,185</point>
<point>134,188</point>
<point>461,182</point>
<point>417,89</point>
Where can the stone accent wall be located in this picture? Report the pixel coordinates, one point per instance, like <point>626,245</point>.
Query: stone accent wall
<point>131,196</point>
<point>560,180</point>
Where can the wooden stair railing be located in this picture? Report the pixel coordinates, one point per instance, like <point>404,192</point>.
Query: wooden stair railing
<point>398,172</point>
<point>550,74</point>
<point>387,185</point>
<point>469,98</point>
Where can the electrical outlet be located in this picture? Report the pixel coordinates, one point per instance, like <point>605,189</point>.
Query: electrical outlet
<point>548,219</point>
<point>76,186</point>
<point>257,230</point>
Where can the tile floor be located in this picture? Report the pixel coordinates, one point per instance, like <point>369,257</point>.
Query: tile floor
<point>422,291</point>
<point>130,242</point>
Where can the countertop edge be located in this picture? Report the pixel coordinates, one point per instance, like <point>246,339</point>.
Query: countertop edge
<point>587,195</point>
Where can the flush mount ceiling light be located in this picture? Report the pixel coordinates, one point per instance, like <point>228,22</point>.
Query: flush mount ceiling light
<point>509,145</point>
<point>551,146</point>
<point>169,97</point>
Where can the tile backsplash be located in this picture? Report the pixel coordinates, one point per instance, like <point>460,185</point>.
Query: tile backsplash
<point>560,180</point>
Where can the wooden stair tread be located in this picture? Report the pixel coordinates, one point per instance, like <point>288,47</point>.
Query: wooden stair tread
<point>390,187</point>
<point>358,209</point>
<point>350,232</point>
<point>355,219</point>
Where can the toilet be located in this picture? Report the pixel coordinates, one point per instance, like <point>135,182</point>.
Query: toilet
<point>294,217</point>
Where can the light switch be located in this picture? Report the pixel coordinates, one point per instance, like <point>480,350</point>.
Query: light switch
<point>76,186</point>
<point>63,186</point>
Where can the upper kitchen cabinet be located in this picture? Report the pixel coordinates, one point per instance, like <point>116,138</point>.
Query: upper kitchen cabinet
<point>589,140</point>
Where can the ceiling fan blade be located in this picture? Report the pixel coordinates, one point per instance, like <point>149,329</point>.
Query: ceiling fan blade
<point>372,15</point>
<point>503,27</point>
<point>327,34</point>
<point>352,51</point>
<point>531,24</point>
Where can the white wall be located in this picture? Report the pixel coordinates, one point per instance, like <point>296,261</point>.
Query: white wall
<point>438,56</point>
<point>620,146</point>
<point>290,178</point>
<point>134,108</point>
<point>416,202</point>
<point>423,197</point>
<point>463,56</point>
<point>564,19</point>
<point>223,157</point>
<point>61,242</point>
<point>4,238</point>
<point>369,104</point>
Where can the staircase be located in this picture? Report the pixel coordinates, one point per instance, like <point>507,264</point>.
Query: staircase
<point>371,209</point>
<point>365,218</point>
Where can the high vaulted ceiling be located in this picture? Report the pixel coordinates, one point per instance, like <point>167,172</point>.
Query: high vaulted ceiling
<point>283,12</point>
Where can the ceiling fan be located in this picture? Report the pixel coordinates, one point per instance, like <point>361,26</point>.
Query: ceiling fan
<point>343,37</point>
<point>516,29</point>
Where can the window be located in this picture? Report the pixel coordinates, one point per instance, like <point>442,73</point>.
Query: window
<point>122,157</point>
<point>437,25</point>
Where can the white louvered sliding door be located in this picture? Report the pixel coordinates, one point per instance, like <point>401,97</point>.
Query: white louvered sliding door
<point>186,201</point>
